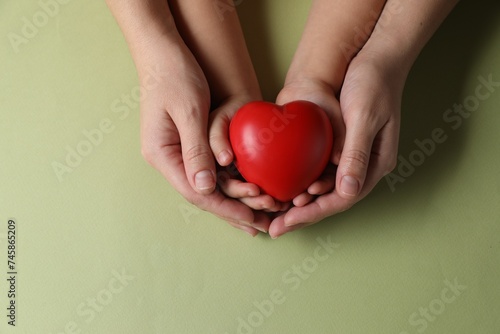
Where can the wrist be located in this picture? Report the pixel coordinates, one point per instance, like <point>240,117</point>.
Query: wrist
<point>389,58</point>
<point>146,25</point>
<point>404,29</point>
<point>164,51</point>
<point>149,49</point>
<point>325,72</point>
<point>238,99</point>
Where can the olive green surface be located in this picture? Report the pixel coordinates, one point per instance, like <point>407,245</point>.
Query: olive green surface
<point>107,246</point>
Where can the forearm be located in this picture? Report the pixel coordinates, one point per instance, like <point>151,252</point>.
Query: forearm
<point>147,25</point>
<point>217,41</point>
<point>156,30</point>
<point>398,39</point>
<point>335,31</point>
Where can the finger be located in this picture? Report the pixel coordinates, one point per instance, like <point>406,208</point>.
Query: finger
<point>355,158</point>
<point>302,199</point>
<point>384,155</point>
<point>285,206</point>
<point>325,183</point>
<point>196,153</point>
<point>321,186</point>
<point>278,227</point>
<point>219,136</point>
<point>261,222</point>
<point>238,189</point>
<point>249,194</point>
<point>382,162</point>
<point>168,160</point>
<point>279,206</point>
<point>332,108</point>
<point>226,208</point>
<point>247,229</point>
<point>322,207</point>
<point>261,226</point>
<point>338,129</point>
<point>262,202</point>
<point>385,147</point>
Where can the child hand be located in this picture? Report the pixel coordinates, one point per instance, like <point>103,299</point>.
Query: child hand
<point>229,180</point>
<point>322,95</point>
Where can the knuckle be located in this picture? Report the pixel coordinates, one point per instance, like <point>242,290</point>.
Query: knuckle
<point>197,153</point>
<point>148,153</point>
<point>196,201</point>
<point>391,164</point>
<point>215,140</point>
<point>285,95</point>
<point>347,206</point>
<point>357,159</point>
<point>266,203</point>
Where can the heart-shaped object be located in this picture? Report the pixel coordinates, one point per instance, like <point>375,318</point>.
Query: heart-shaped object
<point>282,149</point>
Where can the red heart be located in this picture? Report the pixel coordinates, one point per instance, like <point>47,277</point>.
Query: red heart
<point>282,149</point>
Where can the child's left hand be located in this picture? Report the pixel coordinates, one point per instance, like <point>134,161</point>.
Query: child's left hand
<point>227,177</point>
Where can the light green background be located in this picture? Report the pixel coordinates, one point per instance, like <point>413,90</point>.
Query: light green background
<point>191,273</point>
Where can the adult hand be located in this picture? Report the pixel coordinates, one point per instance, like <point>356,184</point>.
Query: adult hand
<point>174,138</point>
<point>370,103</point>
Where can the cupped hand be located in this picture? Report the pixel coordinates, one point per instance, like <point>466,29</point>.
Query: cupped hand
<point>370,104</point>
<point>174,136</point>
<point>229,179</point>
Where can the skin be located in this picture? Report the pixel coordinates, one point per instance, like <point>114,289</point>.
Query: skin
<point>370,104</point>
<point>360,90</point>
<point>358,79</point>
<point>316,74</point>
<point>204,65</point>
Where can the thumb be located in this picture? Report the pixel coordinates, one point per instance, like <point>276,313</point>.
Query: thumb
<point>196,154</point>
<point>219,136</point>
<point>354,161</point>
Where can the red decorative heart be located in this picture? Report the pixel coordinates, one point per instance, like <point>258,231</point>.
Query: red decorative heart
<point>282,149</point>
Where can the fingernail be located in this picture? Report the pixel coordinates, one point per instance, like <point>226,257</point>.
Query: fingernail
<point>349,186</point>
<point>225,157</point>
<point>249,233</point>
<point>242,222</point>
<point>253,192</point>
<point>263,230</point>
<point>204,180</point>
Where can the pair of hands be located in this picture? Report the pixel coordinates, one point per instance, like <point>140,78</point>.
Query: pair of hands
<point>185,141</point>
